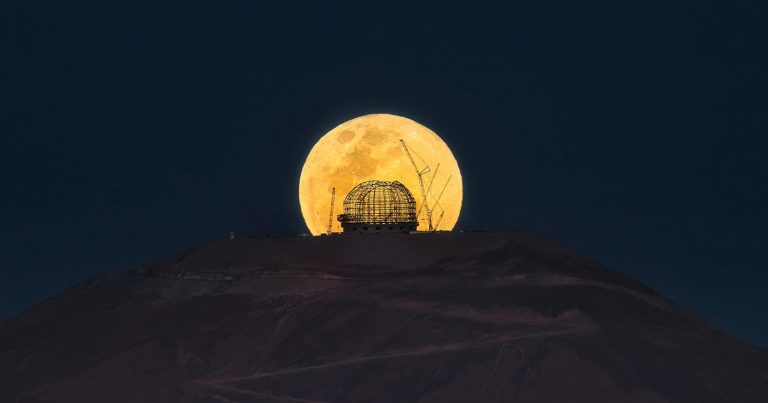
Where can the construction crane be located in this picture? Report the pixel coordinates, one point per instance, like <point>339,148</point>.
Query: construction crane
<point>420,174</point>
<point>330,215</point>
<point>440,219</point>
<point>437,202</point>
<point>429,187</point>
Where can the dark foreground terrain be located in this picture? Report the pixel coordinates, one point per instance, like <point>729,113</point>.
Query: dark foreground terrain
<point>447,317</point>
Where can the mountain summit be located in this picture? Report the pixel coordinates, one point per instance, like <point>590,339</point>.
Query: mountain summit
<point>443,317</point>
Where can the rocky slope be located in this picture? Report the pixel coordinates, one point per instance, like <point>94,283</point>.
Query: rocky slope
<point>432,317</point>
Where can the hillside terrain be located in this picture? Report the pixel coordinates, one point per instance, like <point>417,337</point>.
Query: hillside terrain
<point>444,317</point>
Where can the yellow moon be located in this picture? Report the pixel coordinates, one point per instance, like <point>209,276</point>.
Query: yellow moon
<point>367,148</point>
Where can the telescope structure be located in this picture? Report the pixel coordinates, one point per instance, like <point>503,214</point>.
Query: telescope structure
<point>379,207</point>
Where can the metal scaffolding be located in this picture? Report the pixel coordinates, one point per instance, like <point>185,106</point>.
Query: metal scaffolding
<point>381,206</point>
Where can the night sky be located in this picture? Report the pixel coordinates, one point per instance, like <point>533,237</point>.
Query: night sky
<point>634,134</point>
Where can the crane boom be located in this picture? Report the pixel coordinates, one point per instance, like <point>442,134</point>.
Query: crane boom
<point>429,187</point>
<point>437,204</point>
<point>439,196</point>
<point>440,219</point>
<point>432,178</point>
<point>419,174</point>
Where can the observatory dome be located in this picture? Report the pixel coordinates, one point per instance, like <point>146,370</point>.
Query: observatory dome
<point>379,207</point>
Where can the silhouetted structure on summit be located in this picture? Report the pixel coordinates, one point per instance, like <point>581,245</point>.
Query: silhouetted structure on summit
<point>376,207</point>
<point>330,215</point>
<point>426,191</point>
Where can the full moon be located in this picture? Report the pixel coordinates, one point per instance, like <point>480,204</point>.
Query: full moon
<point>368,148</point>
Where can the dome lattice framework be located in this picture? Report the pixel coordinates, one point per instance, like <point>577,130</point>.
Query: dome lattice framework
<point>379,206</point>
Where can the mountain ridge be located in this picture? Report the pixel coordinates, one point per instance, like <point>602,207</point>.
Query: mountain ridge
<point>424,317</point>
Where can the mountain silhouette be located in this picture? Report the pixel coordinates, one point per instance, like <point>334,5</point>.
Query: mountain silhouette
<point>442,317</point>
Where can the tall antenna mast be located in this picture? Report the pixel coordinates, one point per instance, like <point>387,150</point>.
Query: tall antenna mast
<point>330,215</point>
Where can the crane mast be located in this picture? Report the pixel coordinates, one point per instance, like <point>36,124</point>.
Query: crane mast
<point>330,215</point>
<point>437,203</point>
<point>420,174</point>
<point>429,187</point>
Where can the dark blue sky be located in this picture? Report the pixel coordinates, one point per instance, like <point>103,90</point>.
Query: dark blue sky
<point>632,133</point>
